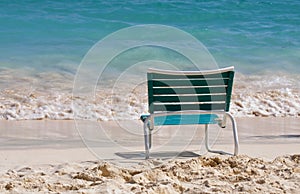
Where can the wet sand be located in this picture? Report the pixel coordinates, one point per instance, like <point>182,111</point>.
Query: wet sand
<point>97,156</point>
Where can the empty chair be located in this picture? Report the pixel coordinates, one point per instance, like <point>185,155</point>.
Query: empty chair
<point>189,98</point>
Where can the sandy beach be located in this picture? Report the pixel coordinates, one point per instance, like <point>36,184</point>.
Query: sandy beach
<point>108,157</point>
<point>74,83</point>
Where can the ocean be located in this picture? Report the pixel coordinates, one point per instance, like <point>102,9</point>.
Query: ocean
<point>43,43</point>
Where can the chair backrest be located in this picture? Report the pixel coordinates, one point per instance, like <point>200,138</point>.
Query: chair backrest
<point>189,90</point>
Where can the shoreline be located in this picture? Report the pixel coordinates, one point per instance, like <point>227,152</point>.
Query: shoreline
<point>106,139</point>
<point>51,96</point>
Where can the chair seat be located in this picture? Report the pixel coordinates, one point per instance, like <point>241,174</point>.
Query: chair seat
<point>189,119</point>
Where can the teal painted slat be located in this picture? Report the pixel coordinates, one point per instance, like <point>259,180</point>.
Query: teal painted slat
<point>166,76</point>
<point>185,119</point>
<point>206,90</point>
<point>181,107</point>
<point>202,98</point>
<point>187,82</point>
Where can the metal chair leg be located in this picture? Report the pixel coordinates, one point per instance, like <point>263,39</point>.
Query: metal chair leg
<point>206,138</point>
<point>150,139</point>
<point>206,142</point>
<point>146,138</point>
<point>150,134</point>
<point>235,134</point>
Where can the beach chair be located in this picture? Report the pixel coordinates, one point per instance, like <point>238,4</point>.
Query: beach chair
<point>189,98</point>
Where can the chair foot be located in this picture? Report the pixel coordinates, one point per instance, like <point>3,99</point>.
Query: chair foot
<point>207,146</point>
<point>147,155</point>
<point>234,135</point>
<point>206,141</point>
<point>219,152</point>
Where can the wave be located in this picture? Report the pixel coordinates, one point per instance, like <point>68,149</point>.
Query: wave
<point>49,96</point>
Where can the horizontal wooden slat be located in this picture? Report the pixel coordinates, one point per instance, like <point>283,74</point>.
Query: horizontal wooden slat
<point>202,82</point>
<point>161,107</point>
<point>207,90</point>
<point>165,76</point>
<point>202,98</point>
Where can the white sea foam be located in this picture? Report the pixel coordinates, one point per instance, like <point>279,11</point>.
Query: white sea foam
<point>266,95</point>
<point>49,96</point>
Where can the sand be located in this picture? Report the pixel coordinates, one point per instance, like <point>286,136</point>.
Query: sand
<point>50,157</point>
<point>196,175</point>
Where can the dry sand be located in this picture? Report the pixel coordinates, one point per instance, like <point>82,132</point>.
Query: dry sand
<point>196,175</point>
<point>50,157</point>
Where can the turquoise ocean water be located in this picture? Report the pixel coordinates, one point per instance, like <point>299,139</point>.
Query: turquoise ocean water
<point>48,39</point>
<point>55,35</point>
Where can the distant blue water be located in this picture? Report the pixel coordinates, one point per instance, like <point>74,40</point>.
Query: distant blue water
<point>54,35</point>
